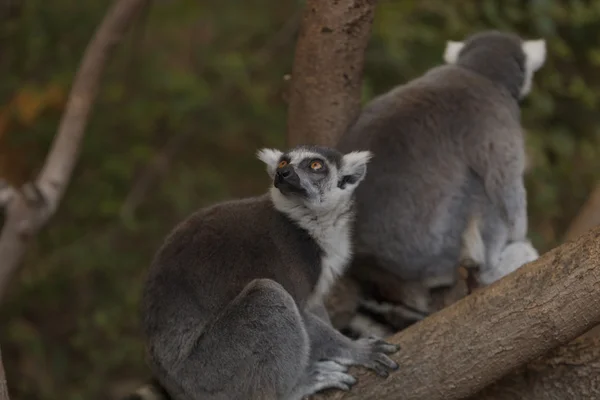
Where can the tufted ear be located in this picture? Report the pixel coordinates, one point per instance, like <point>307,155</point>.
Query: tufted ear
<point>452,51</point>
<point>271,158</point>
<point>354,168</point>
<point>535,52</point>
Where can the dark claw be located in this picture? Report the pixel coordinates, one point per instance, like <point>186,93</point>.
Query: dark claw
<point>381,371</point>
<point>343,387</point>
<point>387,362</point>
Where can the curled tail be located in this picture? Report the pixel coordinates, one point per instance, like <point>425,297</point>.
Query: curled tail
<point>152,390</point>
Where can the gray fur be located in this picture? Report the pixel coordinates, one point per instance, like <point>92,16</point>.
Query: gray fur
<point>449,157</point>
<point>232,308</point>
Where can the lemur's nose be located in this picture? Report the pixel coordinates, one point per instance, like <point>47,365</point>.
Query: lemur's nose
<point>285,172</point>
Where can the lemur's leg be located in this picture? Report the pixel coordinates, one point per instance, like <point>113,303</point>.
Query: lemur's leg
<point>258,348</point>
<point>328,344</point>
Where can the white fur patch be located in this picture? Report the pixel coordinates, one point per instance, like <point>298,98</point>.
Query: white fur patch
<point>472,252</point>
<point>513,257</point>
<point>330,226</point>
<point>535,50</point>
<point>328,221</point>
<point>297,156</point>
<point>270,157</point>
<point>355,163</point>
<point>535,56</point>
<point>452,51</point>
<point>147,392</point>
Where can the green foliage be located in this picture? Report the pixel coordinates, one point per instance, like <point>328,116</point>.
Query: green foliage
<point>209,76</point>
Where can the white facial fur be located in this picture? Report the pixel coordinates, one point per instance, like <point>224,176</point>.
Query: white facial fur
<point>270,157</point>
<point>535,56</point>
<point>329,220</point>
<point>452,50</point>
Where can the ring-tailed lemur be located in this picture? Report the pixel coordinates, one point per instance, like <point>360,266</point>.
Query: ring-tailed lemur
<point>232,307</point>
<point>448,149</point>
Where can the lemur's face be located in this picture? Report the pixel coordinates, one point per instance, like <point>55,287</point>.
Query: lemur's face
<point>315,175</point>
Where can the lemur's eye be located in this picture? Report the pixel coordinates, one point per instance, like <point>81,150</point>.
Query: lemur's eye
<point>316,165</point>
<point>282,164</point>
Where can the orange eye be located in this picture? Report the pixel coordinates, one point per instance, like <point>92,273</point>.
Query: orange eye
<point>316,165</point>
<point>282,164</point>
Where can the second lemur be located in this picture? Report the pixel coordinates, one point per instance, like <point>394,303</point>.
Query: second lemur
<point>446,182</point>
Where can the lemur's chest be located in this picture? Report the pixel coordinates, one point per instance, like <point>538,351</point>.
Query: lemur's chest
<point>335,243</point>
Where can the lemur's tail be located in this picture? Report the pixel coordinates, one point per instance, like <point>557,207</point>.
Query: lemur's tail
<point>152,390</point>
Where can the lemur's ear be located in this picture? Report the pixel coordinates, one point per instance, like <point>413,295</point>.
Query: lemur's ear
<point>271,158</point>
<point>535,52</point>
<point>354,168</point>
<point>452,51</point>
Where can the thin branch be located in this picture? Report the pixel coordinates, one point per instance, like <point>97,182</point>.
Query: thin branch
<point>469,345</point>
<point>157,167</point>
<point>7,193</point>
<point>24,219</point>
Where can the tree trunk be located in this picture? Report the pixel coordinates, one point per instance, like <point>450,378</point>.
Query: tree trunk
<point>28,211</point>
<point>327,72</point>
<point>461,349</point>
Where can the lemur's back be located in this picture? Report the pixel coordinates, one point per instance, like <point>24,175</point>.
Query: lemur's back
<point>419,174</point>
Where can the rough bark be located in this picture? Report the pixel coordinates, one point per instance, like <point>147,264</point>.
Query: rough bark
<point>3,384</point>
<point>461,349</point>
<point>587,218</point>
<point>29,209</point>
<point>570,372</point>
<point>327,72</point>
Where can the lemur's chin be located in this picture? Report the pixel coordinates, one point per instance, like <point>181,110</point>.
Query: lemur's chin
<point>287,189</point>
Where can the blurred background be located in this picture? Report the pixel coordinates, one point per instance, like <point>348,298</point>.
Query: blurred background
<point>192,92</point>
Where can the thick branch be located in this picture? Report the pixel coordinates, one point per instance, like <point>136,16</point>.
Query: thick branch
<point>3,385</point>
<point>469,345</point>
<point>24,218</point>
<point>568,372</point>
<point>587,218</point>
<point>327,72</point>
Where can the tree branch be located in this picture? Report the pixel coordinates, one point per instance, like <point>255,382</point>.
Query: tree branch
<point>568,372</point>
<point>3,385</point>
<point>587,218</point>
<point>469,345</point>
<point>24,217</point>
<point>327,73</point>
